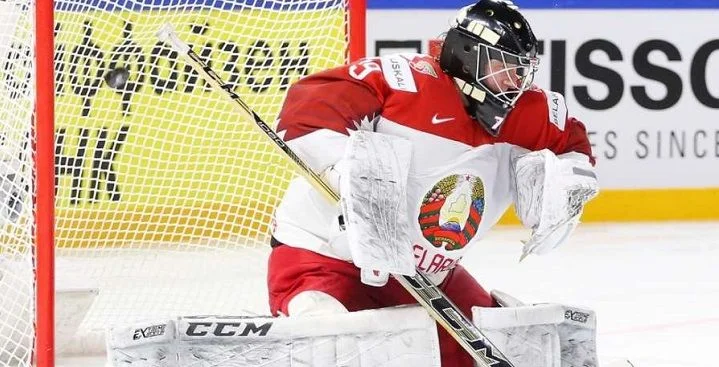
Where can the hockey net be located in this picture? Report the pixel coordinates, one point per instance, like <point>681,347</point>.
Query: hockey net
<point>164,194</point>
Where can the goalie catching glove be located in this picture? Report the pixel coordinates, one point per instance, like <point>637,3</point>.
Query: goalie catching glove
<point>549,194</point>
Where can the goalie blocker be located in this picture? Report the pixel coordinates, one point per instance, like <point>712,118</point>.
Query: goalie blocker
<point>542,335</point>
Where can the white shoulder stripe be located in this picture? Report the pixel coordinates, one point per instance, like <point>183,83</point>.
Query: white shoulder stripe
<point>398,74</point>
<point>557,108</point>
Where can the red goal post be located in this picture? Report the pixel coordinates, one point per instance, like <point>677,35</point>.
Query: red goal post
<point>142,187</point>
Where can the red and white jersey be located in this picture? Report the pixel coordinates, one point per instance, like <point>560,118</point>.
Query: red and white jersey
<point>459,180</point>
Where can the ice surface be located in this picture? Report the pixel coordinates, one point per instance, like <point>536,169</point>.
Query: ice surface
<point>654,286</point>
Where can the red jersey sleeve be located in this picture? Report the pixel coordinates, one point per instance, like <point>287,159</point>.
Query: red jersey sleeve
<point>540,121</point>
<point>337,99</point>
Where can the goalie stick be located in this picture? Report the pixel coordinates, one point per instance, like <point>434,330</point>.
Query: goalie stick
<point>427,294</point>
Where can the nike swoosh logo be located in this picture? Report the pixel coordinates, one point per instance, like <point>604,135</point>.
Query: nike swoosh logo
<point>436,120</point>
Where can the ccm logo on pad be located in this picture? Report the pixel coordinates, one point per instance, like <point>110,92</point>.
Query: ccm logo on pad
<point>227,329</point>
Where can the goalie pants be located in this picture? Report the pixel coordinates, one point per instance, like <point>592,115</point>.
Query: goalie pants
<point>293,270</point>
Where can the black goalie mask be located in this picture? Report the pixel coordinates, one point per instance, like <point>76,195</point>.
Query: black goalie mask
<point>491,53</point>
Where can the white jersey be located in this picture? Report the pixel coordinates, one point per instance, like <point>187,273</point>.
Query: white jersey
<point>459,183</point>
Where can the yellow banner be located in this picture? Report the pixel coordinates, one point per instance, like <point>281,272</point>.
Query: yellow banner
<point>146,151</point>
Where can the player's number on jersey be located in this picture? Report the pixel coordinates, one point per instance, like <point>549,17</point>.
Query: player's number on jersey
<point>363,68</point>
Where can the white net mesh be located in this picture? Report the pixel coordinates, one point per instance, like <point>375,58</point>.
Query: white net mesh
<point>164,194</point>
<point>16,216</point>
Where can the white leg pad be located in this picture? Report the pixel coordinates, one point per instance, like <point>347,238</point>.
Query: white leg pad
<point>540,335</point>
<point>577,335</point>
<point>399,336</point>
<point>527,335</point>
<point>143,345</point>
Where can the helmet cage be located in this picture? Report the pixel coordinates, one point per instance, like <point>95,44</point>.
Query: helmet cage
<point>503,75</point>
<point>490,51</point>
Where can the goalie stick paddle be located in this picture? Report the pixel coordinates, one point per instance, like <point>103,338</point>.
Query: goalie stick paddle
<point>439,307</point>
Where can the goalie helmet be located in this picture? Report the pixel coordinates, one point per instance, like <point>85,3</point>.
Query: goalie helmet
<point>491,52</point>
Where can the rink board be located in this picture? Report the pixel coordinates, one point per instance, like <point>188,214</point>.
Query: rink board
<point>647,205</point>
